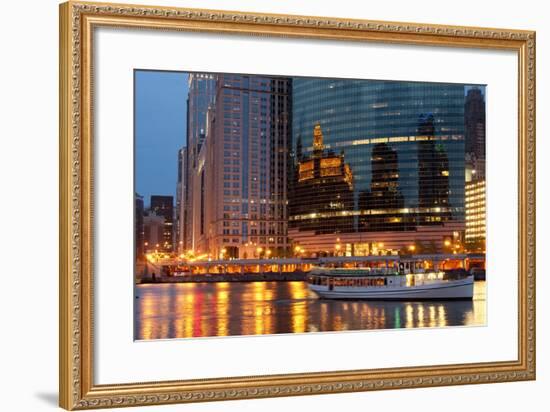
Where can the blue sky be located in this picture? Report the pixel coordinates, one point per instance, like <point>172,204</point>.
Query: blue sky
<point>160,125</point>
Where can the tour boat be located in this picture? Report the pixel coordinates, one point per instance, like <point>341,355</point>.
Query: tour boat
<point>389,284</point>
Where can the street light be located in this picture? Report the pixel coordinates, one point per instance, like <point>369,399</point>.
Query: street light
<point>412,248</point>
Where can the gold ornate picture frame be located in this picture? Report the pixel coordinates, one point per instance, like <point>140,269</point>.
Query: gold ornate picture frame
<point>78,20</point>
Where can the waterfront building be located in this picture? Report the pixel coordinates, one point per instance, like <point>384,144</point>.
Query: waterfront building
<point>139,231</point>
<point>153,233</point>
<point>164,206</point>
<point>404,145</point>
<point>239,184</point>
<point>475,216</point>
<point>181,202</point>
<point>202,91</point>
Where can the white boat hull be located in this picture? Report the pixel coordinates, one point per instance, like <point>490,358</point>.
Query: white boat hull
<point>458,289</point>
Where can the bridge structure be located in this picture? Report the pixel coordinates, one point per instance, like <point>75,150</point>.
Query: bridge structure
<point>289,265</point>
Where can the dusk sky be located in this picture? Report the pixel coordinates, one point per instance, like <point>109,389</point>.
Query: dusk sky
<point>160,124</point>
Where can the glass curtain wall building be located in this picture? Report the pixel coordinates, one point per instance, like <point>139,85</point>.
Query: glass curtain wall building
<point>395,166</point>
<point>202,90</point>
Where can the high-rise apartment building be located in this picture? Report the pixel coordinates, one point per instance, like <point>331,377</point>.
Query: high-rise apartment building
<point>239,182</point>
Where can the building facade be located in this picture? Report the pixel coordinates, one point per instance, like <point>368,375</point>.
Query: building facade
<point>239,183</point>
<point>474,121</point>
<point>404,148</point>
<point>153,233</point>
<point>201,94</point>
<point>181,203</point>
<point>164,206</point>
<point>475,216</point>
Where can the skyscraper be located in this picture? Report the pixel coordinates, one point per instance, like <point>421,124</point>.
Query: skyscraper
<point>202,91</point>
<point>239,182</point>
<point>164,206</point>
<point>181,204</point>
<point>404,143</point>
<point>474,119</point>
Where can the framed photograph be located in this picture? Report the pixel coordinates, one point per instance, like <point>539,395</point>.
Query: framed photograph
<point>257,205</point>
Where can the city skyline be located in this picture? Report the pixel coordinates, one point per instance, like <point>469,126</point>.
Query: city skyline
<point>278,197</point>
<point>157,117</point>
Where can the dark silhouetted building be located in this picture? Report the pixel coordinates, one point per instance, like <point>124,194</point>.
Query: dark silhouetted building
<point>474,121</point>
<point>163,206</point>
<point>381,205</point>
<point>138,221</point>
<point>433,174</point>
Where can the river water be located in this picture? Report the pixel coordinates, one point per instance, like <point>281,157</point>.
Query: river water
<point>184,310</point>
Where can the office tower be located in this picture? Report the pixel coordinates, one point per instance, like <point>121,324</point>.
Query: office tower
<point>202,91</point>
<point>475,216</point>
<point>474,119</point>
<point>404,144</point>
<point>181,205</point>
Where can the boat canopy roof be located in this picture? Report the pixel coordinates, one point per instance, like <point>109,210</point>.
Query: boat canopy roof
<point>360,272</point>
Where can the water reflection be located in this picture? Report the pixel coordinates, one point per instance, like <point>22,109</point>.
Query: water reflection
<point>184,310</point>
